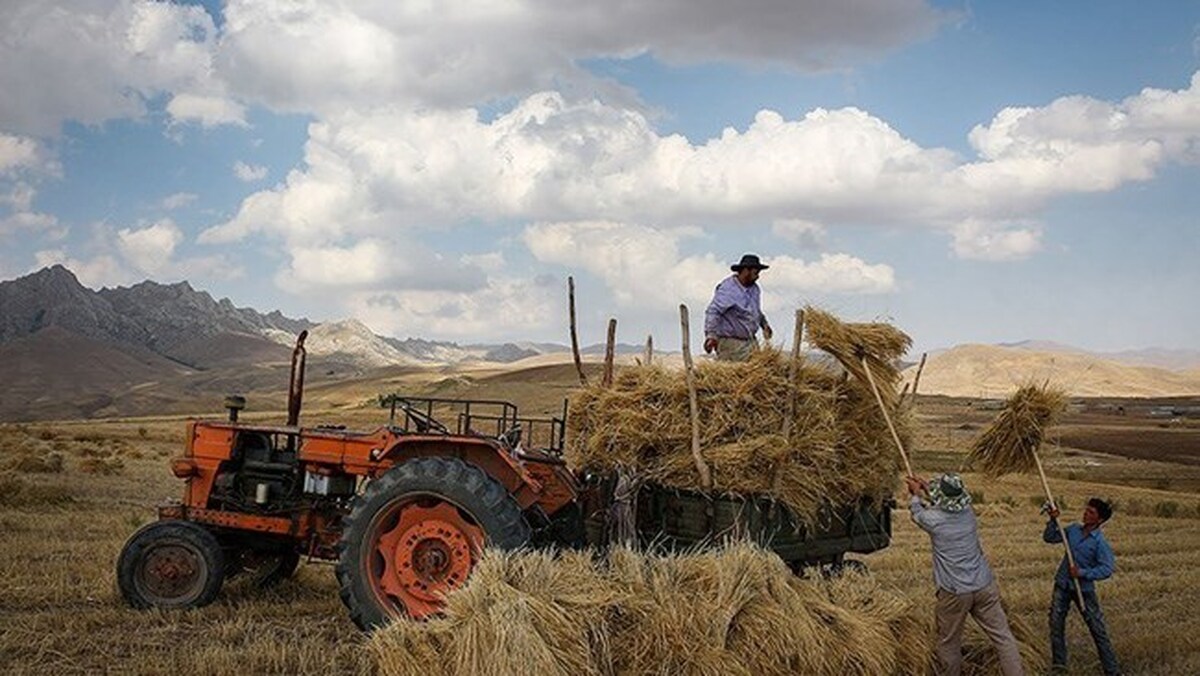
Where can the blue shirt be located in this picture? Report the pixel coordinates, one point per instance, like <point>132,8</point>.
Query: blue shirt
<point>959,566</point>
<point>1093,556</point>
<point>735,311</point>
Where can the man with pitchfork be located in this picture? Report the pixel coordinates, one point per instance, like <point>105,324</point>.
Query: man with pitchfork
<point>965,583</point>
<point>1093,561</point>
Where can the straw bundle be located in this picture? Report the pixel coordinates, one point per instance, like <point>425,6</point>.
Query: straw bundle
<point>736,610</point>
<point>838,448</point>
<point>880,344</point>
<point>1009,443</point>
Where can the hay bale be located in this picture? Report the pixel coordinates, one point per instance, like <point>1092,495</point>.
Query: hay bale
<point>1008,444</point>
<point>839,447</point>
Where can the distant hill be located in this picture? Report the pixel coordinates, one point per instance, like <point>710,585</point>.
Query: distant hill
<point>992,371</point>
<point>1165,358</point>
<point>174,321</point>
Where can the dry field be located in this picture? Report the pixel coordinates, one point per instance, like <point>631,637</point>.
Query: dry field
<point>71,492</point>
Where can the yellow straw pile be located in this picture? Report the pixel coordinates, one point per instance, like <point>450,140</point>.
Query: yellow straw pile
<point>838,449</point>
<point>737,610</point>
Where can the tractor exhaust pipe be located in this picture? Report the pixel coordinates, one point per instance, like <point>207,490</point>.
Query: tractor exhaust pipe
<point>296,385</point>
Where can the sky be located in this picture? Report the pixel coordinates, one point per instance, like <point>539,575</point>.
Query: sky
<point>970,171</point>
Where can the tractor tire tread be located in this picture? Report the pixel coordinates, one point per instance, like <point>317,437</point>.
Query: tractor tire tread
<point>491,506</point>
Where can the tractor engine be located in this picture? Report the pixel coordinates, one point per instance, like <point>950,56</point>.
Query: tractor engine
<point>261,476</point>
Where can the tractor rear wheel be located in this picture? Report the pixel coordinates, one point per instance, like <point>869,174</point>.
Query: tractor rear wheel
<point>171,564</point>
<point>415,534</point>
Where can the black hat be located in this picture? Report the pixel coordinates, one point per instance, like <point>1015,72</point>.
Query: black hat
<point>748,261</point>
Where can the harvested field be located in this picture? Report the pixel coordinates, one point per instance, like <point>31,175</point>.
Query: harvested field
<point>1167,443</point>
<point>61,533</point>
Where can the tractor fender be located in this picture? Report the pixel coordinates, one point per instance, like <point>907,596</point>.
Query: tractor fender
<point>488,456</point>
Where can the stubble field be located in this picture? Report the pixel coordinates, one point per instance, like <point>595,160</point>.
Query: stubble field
<point>71,492</point>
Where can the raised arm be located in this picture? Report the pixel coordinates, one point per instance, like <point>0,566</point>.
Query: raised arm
<point>1052,534</point>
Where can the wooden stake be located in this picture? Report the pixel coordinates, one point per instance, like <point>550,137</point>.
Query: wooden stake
<point>887,417</point>
<point>574,333</point>
<point>793,368</point>
<point>688,367</point>
<point>649,355</point>
<point>917,379</point>
<point>609,347</point>
<point>1063,533</point>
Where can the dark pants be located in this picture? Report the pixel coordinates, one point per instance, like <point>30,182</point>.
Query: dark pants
<point>1063,599</point>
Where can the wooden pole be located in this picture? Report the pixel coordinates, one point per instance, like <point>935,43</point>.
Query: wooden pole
<point>574,332</point>
<point>793,368</point>
<point>1061,531</point>
<point>887,417</point>
<point>917,379</point>
<point>693,406</point>
<point>609,347</point>
<point>649,355</point>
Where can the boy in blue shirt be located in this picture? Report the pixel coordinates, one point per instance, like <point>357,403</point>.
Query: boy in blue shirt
<point>1093,561</point>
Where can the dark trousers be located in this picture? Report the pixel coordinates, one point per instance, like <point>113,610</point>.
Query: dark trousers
<point>1060,603</point>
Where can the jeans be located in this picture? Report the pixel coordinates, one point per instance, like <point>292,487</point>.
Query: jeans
<point>1060,603</point>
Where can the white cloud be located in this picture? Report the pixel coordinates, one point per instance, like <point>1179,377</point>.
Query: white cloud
<point>319,56</point>
<point>249,172</point>
<point>488,262</point>
<point>804,234</point>
<point>207,110</point>
<point>100,60</point>
<point>832,273</point>
<point>376,263</point>
<point>982,241</point>
<point>639,264</point>
<point>178,200</point>
<point>644,270</point>
<point>505,308</point>
<point>552,159</point>
<point>45,224</point>
<point>100,271</point>
<point>150,249</point>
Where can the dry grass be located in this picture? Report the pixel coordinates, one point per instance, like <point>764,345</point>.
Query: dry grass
<point>734,611</point>
<point>838,450</point>
<point>61,535</point>
<point>1010,442</point>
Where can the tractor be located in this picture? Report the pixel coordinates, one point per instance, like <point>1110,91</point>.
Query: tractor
<point>405,511</point>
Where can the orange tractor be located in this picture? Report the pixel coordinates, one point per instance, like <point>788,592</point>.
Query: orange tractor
<point>405,511</point>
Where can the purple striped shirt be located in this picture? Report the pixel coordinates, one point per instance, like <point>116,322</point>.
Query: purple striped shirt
<point>735,311</point>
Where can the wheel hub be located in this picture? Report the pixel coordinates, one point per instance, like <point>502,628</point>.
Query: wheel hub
<point>428,553</point>
<point>171,572</point>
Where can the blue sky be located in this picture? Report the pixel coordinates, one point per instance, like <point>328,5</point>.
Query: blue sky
<point>983,172</point>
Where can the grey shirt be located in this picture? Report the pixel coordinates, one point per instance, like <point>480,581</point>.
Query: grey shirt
<point>959,566</point>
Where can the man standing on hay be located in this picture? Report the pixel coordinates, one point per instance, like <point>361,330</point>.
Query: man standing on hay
<point>1094,560</point>
<point>735,313</point>
<point>965,584</point>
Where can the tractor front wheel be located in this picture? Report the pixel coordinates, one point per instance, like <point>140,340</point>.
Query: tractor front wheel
<point>170,564</point>
<point>415,534</point>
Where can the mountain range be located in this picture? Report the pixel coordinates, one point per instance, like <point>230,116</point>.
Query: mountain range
<point>67,351</point>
